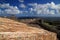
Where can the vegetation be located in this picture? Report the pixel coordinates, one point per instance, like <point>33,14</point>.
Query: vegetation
<point>51,28</point>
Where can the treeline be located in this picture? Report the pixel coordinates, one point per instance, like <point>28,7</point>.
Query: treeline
<point>48,26</point>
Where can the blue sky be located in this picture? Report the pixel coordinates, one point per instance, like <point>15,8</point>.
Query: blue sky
<point>17,2</point>
<point>13,2</point>
<point>30,7</point>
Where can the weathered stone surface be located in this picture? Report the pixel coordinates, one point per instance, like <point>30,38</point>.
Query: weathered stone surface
<point>12,30</point>
<point>26,36</point>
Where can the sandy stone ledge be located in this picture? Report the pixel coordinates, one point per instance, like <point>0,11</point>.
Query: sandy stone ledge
<point>26,36</point>
<point>13,30</point>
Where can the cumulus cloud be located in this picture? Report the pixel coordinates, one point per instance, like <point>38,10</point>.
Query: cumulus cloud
<point>22,6</point>
<point>1,11</point>
<point>6,8</point>
<point>31,10</point>
<point>21,0</point>
<point>48,8</point>
<point>32,4</point>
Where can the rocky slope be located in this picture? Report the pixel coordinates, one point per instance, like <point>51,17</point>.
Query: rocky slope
<point>20,31</point>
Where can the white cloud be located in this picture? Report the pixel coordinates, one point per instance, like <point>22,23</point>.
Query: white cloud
<point>52,3</point>
<point>21,0</point>
<point>9,9</point>
<point>4,5</point>
<point>12,11</point>
<point>31,10</point>
<point>22,6</point>
<point>49,8</point>
<point>52,12</point>
<point>0,11</point>
<point>32,4</point>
